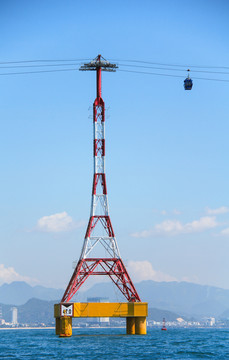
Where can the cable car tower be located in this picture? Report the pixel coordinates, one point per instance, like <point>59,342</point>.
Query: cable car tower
<point>99,229</point>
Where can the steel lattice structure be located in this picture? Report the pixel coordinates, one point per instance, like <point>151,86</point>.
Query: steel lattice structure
<point>99,222</point>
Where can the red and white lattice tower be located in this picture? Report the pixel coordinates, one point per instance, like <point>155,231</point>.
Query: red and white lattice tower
<point>99,229</point>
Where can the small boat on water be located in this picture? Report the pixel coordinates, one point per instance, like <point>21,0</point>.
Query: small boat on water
<point>163,326</point>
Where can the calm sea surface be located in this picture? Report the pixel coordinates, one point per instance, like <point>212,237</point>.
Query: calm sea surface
<point>113,344</point>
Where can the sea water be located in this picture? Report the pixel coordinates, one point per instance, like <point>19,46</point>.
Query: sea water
<point>113,344</point>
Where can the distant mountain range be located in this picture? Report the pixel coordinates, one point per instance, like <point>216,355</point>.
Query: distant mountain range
<point>183,298</point>
<point>19,292</point>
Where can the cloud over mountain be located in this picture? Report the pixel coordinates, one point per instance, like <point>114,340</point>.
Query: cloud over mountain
<point>9,274</point>
<point>143,270</point>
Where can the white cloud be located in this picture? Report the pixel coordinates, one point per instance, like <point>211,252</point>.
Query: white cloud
<point>225,232</point>
<point>193,279</point>
<point>143,234</point>
<point>176,212</point>
<point>169,226</point>
<point>143,270</point>
<point>57,223</point>
<point>204,223</point>
<point>221,210</point>
<point>175,227</point>
<point>9,274</point>
<point>165,212</point>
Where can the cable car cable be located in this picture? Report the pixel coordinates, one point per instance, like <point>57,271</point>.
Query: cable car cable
<point>126,65</point>
<point>31,66</point>
<point>131,61</point>
<point>122,70</point>
<point>176,65</point>
<point>169,75</point>
<point>160,68</point>
<point>31,61</point>
<point>36,72</point>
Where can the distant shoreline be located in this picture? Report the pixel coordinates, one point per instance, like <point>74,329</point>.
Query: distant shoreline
<point>28,328</point>
<point>53,328</point>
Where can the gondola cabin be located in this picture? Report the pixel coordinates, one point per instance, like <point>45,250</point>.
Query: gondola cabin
<point>188,84</point>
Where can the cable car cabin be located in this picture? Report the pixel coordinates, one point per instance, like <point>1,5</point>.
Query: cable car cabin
<point>188,83</point>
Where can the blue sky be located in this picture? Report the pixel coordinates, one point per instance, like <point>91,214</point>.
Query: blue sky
<point>166,148</point>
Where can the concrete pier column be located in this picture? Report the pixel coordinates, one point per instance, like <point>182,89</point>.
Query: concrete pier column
<point>65,327</point>
<point>140,325</point>
<point>130,325</point>
<point>57,326</point>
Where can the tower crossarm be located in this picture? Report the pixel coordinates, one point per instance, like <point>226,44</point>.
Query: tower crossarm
<point>99,63</point>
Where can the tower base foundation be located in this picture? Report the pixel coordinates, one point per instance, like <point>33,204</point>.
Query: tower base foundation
<point>135,314</point>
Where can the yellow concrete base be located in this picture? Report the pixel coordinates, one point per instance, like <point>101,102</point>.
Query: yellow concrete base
<point>121,310</point>
<point>136,325</point>
<point>135,314</point>
<point>64,326</point>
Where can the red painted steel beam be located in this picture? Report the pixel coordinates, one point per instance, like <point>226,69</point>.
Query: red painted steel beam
<point>112,267</point>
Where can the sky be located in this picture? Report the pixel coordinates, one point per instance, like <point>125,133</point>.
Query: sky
<point>166,148</point>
